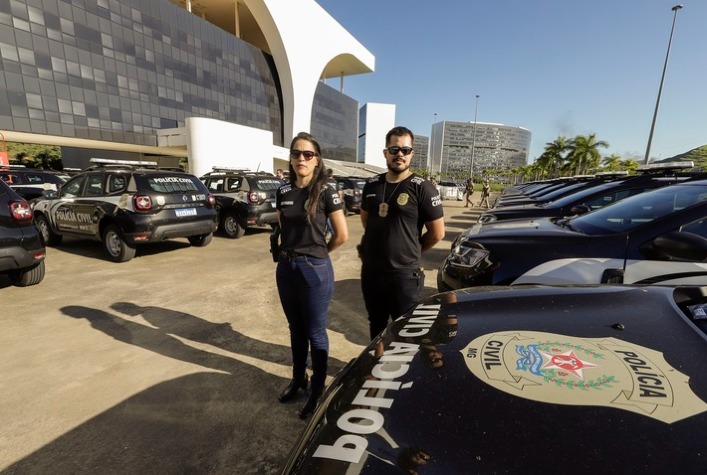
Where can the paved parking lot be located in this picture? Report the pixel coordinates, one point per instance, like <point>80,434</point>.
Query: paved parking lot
<point>168,363</point>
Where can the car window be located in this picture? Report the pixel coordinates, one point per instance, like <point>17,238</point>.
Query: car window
<point>117,183</point>
<point>640,209</point>
<point>172,183</point>
<point>10,178</point>
<point>94,185</point>
<point>215,184</point>
<point>698,227</point>
<point>72,188</point>
<point>234,183</point>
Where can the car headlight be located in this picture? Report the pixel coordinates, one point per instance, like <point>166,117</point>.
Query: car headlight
<point>466,257</point>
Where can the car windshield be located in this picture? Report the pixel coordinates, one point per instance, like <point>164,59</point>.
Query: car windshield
<point>268,184</point>
<point>640,209</point>
<point>578,195</point>
<point>359,184</point>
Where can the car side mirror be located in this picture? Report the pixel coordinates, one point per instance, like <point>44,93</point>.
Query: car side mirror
<point>49,194</point>
<point>680,245</point>
<point>579,209</point>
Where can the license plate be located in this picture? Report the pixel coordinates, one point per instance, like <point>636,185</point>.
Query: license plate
<point>186,212</point>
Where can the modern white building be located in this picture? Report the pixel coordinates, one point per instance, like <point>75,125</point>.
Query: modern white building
<point>221,82</point>
<point>460,149</point>
<point>375,120</point>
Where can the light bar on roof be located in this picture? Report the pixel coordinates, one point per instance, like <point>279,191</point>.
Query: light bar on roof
<point>666,165</point>
<point>110,161</point>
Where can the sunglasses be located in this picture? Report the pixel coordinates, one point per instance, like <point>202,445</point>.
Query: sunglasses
<point>394,150</point>
<point>307,154</point>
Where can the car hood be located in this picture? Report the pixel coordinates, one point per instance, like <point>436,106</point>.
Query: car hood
<point>499,379</point>
<point>516,227</point>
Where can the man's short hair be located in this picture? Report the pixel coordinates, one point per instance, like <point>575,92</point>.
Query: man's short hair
<point>399,131</point>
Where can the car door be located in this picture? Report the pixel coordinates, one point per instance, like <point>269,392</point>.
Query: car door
<point>62,210</point>
<point>88,206</point>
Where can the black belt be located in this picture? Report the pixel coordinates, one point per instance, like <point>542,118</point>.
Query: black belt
<point>291,254</point>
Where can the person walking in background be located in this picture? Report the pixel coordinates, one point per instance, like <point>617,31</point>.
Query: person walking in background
<point>280,174</point>
<point>304,275</point>
<point>396,206</point>
<point>485,193</point>
<point>469,191</point>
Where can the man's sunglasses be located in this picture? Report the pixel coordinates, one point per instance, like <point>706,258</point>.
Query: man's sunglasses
<point>395,150</point>
<point>307,154</point>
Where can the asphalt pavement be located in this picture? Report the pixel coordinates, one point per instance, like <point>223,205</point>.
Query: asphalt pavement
<point>168,363</point>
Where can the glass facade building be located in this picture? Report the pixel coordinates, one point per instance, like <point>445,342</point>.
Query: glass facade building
<point>494,147</point>
<point>118,70</point>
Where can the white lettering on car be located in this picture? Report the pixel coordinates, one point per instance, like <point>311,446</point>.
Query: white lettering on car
<point>391,366</point>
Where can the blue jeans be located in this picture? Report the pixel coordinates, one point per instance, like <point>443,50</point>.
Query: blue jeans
<point>306,285</point>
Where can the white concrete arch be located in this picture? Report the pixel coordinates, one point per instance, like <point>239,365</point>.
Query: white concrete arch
<point>307,44</point>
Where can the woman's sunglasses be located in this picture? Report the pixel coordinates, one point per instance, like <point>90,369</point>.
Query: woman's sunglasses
<point>307,154</point>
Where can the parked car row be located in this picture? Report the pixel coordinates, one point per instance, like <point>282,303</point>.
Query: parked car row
<point>653,235</point>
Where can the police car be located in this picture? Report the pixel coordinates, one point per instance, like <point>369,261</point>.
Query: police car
<point>655,236</point>
<point>30,182</point>
<point>126,203</point>
<point>594,197</point>
<point>243,198</point>
<point>22,250</point>
<point>523,379</point>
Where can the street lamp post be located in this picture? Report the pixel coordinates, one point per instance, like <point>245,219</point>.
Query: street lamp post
<point>473,140</point>
<point>662,80</point>
<point>432,154</point>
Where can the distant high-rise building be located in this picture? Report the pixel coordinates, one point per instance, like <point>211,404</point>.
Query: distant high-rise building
<point>422,145</point>
<point>493,146</point>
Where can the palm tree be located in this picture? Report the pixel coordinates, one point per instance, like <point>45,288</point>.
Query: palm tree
<point>555,155</point>
<point>584,154</point>
<point>612,163</point>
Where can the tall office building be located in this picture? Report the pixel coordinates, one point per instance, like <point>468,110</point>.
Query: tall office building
<point>234,79</point>
<point>375,120</point>
<point>457,147</point>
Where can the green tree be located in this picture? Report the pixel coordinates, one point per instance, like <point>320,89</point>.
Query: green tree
<point>612,163</point>
<point>584,153</point>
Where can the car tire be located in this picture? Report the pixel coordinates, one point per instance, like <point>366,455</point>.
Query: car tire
<point>233,226</point>
<point>201,240</point>
<point>114,243</point>
<point>50,237</point>
<point>28,276</point>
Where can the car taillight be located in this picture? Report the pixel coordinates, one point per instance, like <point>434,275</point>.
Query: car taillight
<point>20,211</point>
<point>212,201</point>
<point>253,197</point>
<point>142,203</point>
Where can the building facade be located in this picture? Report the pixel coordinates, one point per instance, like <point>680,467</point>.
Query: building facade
<point>114,73</point>
<point>460,149</point>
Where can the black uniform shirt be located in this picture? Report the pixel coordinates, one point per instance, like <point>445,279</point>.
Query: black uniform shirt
<point>393,241</point>
<point>297,234</point>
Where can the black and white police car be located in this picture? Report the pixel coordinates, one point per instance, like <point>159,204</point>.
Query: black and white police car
<point>522,379</point>
<point>243,198</point>
<point>29,183</point>
<point>656,236</point>
<point>126,203</point>
<point>594,197</point>
<point>22,250</point>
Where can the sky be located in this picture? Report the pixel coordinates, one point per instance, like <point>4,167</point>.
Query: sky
<point>554,67</point>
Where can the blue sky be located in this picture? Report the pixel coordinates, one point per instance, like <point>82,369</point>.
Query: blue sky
<point>555,67</point>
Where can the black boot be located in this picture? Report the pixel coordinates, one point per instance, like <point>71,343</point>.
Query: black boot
<point>291,390</point>
<point>310,405</point>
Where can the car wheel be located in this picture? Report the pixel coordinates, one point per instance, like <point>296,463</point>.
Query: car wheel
<point>233,226</point>
<point>26,277</point>
<point>118,250</point>
<point>49,236</point>
<point>201,240</point>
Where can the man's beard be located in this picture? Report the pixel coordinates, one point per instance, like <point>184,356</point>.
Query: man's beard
<point>398,169</point>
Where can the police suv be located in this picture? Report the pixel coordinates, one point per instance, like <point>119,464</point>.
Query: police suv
<point>126,203</point>
<point>243,198</point>
<point>30,182</point>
